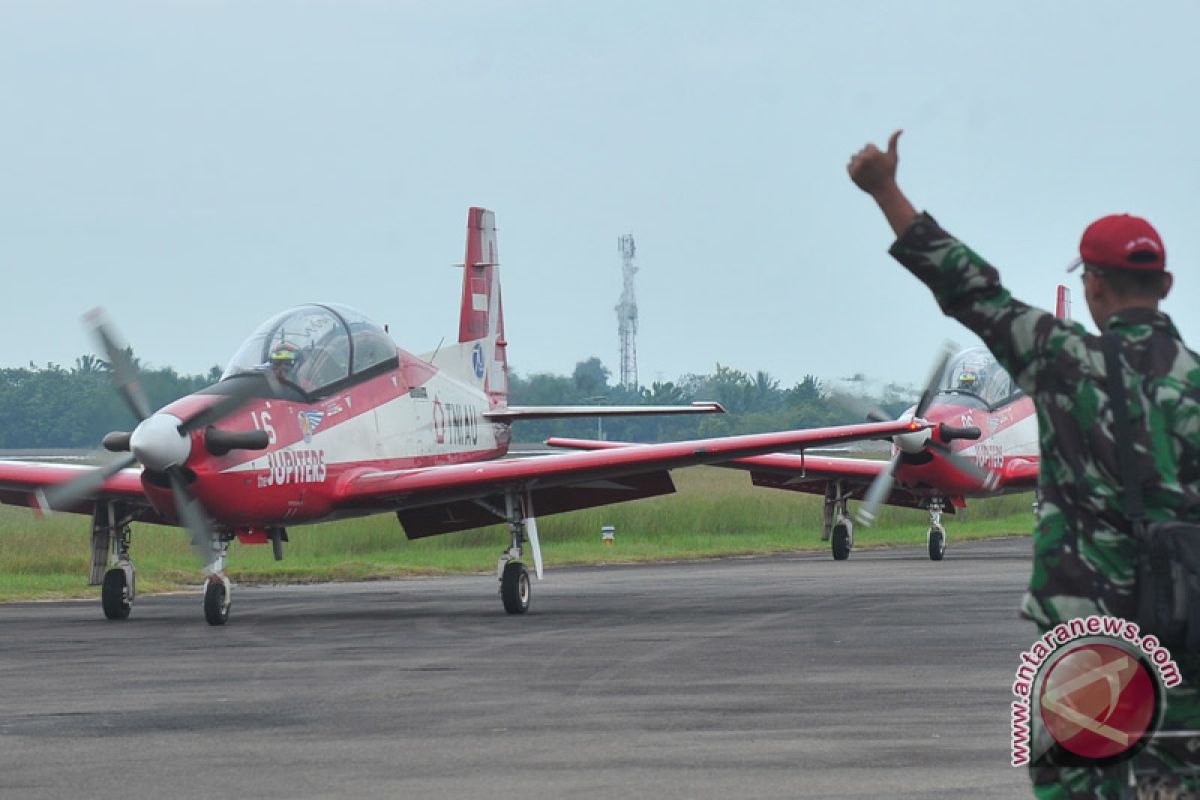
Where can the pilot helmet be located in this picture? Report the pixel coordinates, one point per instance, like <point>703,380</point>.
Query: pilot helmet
<point>285,353</point>
<point>967,378</point>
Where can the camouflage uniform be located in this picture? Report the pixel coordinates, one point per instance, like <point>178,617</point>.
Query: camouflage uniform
<point>1083,560</point>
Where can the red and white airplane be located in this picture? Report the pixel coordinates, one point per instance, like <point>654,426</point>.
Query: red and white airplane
<point>982,441</point>
<point>320,416</point>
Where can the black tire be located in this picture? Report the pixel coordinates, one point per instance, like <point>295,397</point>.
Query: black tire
<point>216,612</point>
<point>937,544</point>
<point>841,542</point>
<point>515,589</point>
<point>114,596</point>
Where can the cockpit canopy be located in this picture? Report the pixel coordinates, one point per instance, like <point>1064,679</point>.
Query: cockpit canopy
<point>975,372</point>
<point>313,347</point>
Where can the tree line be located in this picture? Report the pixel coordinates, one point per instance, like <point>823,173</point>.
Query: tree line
<point>756,403</point>
<point>74,407</point>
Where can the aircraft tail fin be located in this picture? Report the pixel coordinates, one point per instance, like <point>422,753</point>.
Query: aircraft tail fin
<point>480,356</point>
<point>1062,306</point>
<point>480,313</point>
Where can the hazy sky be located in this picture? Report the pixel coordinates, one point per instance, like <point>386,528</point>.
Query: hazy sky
<point>196,166</point>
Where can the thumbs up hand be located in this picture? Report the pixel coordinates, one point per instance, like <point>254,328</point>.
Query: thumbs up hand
<point>873,170</point>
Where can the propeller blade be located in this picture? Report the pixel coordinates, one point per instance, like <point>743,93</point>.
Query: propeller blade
<point>877,415</point>
<point>191,515</point>
<point>240,391</point>
<point>65,495</point>
<point>935,378</point>
<point>881,487</point>
<point>987,479</point>
<point>123,371</point>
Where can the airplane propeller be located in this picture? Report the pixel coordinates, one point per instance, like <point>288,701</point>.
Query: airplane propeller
<point>191,515</point>
<point>880,488</point>
<point>161,442</point>
<point>65,495</point>
<point>119,363</point>
<point>921,441</point>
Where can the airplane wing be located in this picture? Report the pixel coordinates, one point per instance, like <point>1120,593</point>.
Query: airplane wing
<point>798,469</point>
<point>21,481</point>
<point>442,499</point>
<point>1020,473</point>
<point>795,472</point>
<point>515,413</point>
<point>811,474</point>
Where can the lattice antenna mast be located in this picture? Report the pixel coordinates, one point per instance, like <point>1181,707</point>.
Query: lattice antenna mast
<point>627,314</point>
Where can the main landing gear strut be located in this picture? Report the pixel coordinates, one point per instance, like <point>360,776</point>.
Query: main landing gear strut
<point>836,528</point>
<point>515,586</point>
<point>515,590</point>
<point>111,568</point>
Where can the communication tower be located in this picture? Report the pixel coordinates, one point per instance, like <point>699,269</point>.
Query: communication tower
<point>627,315</point>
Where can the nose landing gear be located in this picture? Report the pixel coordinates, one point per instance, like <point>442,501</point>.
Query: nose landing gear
<point>837,527</point>
<point>936,537</point>
<point>217,599</point>
<point>218,591</point>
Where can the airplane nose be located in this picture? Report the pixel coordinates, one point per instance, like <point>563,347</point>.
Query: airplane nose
<point>914,442</point>
<point>157,443</point>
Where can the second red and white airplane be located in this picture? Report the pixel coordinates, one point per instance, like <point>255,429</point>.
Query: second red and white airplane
<point>982,441</point>
<point>320,416</point>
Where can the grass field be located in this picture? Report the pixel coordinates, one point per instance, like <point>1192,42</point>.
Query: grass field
<point>716,512</point>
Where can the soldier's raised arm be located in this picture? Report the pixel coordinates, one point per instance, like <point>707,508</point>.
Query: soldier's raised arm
<point>1023,339</point>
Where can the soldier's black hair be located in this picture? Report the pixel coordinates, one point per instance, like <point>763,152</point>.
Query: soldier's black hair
<point>1132,282</point>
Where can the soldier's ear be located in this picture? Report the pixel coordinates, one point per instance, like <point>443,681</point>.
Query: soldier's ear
<point>1168,280</point>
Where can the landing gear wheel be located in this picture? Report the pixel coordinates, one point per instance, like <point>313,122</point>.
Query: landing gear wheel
<point>937,544</point>
<point>114,594</point>
<point>216,603</point>
<point>514,588</point>
<point>842,541</point>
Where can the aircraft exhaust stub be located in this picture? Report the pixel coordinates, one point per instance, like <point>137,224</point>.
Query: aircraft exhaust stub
<point>219,442</point>
<point>117,441</point>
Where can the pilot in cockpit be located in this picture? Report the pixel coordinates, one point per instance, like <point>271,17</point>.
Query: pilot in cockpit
<point>968,381</point>
<point>285,359</point>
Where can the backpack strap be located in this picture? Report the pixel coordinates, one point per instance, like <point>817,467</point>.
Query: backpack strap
<point>1135,509</point>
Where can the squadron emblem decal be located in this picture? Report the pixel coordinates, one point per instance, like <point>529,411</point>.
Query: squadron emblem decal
<point>309,422</point>
<point>477,361</point>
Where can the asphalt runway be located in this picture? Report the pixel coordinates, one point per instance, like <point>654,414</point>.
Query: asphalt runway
<point>794,676</point>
